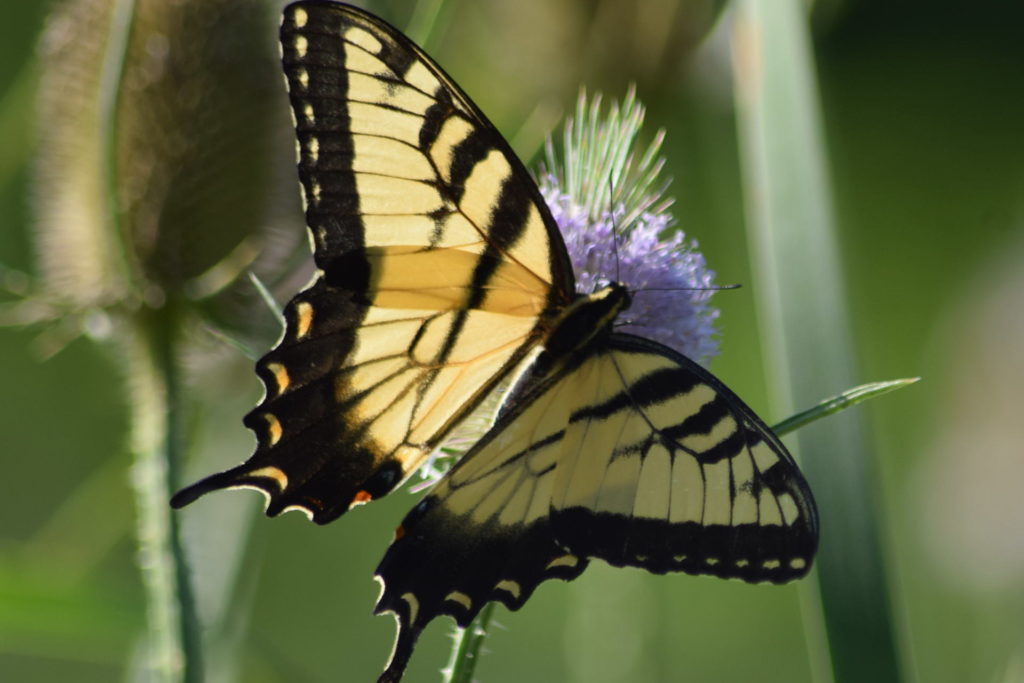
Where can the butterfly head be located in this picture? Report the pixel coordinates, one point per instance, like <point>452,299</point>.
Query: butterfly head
<point>588,316</point>
<point>615,294</point>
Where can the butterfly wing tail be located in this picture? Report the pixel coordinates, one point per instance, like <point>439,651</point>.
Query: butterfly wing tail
<point>405,641</point>
<point>215,482</point>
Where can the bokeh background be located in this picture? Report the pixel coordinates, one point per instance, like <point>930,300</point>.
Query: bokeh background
<point>923,108</point>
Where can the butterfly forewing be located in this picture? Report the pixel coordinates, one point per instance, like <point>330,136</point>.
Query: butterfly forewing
<point>439,267</point>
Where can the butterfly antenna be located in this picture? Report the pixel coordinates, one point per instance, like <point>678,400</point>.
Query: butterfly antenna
<point>709,288</point>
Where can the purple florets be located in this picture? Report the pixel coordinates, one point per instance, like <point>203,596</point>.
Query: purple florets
<point>665,276</point>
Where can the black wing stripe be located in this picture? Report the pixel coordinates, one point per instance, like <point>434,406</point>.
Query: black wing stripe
<point>650,389</point>
<point>465,156</point>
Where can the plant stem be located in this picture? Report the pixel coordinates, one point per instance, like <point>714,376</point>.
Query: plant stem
<point>466,652</point>
<point>174,647</point>
<point>150,337</point>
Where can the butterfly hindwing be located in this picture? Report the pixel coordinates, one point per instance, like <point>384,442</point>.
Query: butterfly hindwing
<point>668,470</point>
<point>484,531</point>
<point>632,454</point>
<point>438,265</point>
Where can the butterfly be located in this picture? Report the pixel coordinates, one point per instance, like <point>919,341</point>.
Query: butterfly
<point>442,274</point>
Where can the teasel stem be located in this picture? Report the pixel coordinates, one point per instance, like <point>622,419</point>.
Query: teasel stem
<point>174,648</point>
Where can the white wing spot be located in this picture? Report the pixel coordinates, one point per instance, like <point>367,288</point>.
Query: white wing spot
<point>563,561</point>
<point>303,77</point>
<point>679,558</point>
<point>414,606</point>
<point>313,149</point>
<point>300,17</point>
<point>511,587</point>
<point>314,192</point>
<point>798,563</point>
<point>742,563</point>
<point>460,598</point>
<point>307,111</point>
<point>301,46</point>
<point>771,564</point>
<point>274,473</point>
<point>711,561</point>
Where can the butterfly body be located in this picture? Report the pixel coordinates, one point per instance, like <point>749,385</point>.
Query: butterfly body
<point>442,274</point>
<point>587,319</point>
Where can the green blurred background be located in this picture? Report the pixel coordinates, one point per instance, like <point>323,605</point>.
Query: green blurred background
<point>923,104</point>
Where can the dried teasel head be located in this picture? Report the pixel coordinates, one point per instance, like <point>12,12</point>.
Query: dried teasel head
<point>165,165</point>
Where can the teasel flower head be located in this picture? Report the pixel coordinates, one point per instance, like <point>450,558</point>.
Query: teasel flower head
<point>163,172</point>
<point>608,198</point>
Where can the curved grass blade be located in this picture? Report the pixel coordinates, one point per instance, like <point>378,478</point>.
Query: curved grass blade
<point>847,399</point>
<point>809,349</point>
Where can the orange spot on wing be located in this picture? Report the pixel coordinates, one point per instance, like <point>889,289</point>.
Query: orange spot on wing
<point>362,497</point>
<point>399,532</point>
